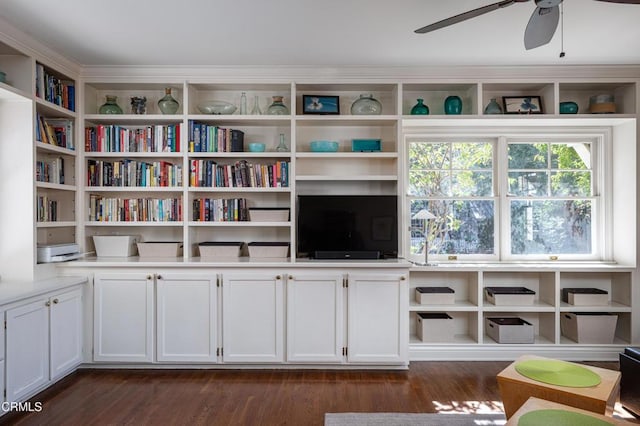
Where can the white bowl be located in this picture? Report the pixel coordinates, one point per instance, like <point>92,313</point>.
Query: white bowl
<point>216,107</point>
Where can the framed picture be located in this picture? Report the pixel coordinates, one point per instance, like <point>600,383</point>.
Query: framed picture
<point>522,104</point>
<point>320,104</point>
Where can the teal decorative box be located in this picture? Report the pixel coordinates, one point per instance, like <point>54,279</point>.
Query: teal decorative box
<point>359,145</point>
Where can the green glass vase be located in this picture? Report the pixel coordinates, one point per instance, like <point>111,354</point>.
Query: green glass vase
<point>168,105</point>
<point>493,107</point>
<point>277,107</point>
<point>453,105</point>
<point>420,108</point>
<point>111,106</point>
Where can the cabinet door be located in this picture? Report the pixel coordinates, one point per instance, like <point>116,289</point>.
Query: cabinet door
<point>186,318</point>
<point>66,333</point>
<point>252,317</point>
<point>315,312</point>
<point>27,349</point>
<point>123,317</point>
<point>377,318</point>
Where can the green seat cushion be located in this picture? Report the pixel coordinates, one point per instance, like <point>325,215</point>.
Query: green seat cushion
<point>559,373</point>
<point>559,418</point>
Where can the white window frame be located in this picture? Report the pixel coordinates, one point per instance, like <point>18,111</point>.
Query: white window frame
<point>602,178</point>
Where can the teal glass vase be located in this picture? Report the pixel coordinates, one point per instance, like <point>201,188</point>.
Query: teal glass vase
<point>453,105</point>
<point>420,108</point>
<point>111,106</point>
<point>168,105</point>
<point>493,107</point>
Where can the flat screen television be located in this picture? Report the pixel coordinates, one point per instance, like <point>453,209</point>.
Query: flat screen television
<point>347,226</point>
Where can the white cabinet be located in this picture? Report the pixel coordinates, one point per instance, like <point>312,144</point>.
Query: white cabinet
<point>66,330</point>
<point>187,307</point>
<point>123,317</point>
<point>43,342</point>
<point>315,317</point>
<point>27,349</point>
<point>2,358</point>
<point>252,317</point>
<point>377,318</point>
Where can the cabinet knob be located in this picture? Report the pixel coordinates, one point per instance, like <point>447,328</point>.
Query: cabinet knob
<point>159,277</point>
<point>402,278</point>
<point>291,277</point>
<point>149,277</point>
<point>278,277</point>
<point>47,303</point>
<point>55,301</point>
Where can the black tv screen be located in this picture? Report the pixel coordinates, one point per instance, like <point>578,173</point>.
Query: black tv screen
<point>347,226</point>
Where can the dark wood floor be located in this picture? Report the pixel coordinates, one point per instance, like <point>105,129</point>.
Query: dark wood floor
<point>261,397</point>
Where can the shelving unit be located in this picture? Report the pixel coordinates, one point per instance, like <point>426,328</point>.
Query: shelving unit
<point>471,308</point>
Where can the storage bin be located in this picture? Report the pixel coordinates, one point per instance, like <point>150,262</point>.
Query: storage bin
<point>220,249</point>
<point>589,327</point>
<point>509,295</point>
<point>435,327</point>
<point>434,296</point>
<point>366,145</point>
<point>160,249</point>
<point>115,245</point>
<point>268,214</point>
<point>585,296</point>
<point>509,329</point>
<point>260,250</point>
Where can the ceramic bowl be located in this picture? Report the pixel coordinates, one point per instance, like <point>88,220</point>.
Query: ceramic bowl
<point>256,147</point>
<point>324,146</point>
<point>216,107</point>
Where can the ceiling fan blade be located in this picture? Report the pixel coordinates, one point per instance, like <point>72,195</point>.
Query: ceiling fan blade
<point>467,15</point>
<point>541,27</point>
<point>622,1</point>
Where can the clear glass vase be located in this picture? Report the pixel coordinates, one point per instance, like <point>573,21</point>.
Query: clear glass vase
<point>110,106</point>
<point>493,107</point>
<point>168,105</point>
<point>366,105</point>
<point>277,107</point>
<point>256,106</point>
<point>282,147</point>
<point>138,105</point>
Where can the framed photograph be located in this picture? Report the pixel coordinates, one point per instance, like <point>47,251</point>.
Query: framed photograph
<point>320,104</point>
<point>522,104</point>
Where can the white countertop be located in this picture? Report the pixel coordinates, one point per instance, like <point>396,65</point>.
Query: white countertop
<point>11,291</point>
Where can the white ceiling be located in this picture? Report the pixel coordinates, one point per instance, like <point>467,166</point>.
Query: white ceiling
<point>319,33</point>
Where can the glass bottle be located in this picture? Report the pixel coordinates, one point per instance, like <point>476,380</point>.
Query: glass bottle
<point>277,107</point>
<point>420,108</point>
<point>282,147</point>
<point>453,105</point>
<point>110,106</point>
<point>493,107</point>
<point>168,105</point>
<point>243,103</point>
<point>366,105</point>
<point>256,106</point>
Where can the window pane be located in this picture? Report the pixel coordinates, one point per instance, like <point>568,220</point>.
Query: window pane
<point>550,227</point>
<point>532,184</point>
<point>470,155</point>
<point>429,183</point>
<point>460,227</point>
<point>572,156</point>
<point>571,184</point>
<point>472,183</point>
<point>528,155</point>
<point>429,156</point>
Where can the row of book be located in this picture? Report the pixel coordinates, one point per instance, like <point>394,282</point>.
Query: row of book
<point>208,173</point>
<point>55,131</point>
<point>208,138</point>
<point>47,209</point>
<point>50,171</point>
<point>54,89</point>
<point>133,173</point>
<point>220,210</point>
<point>107,209</point>
<point>114,138</point>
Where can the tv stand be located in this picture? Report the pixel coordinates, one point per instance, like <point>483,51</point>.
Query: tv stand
<point>346,254</point>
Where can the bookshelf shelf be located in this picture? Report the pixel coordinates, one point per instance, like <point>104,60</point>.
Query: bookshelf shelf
<point>171,189</point>
<point>47,147</point>
<point>57,186</point>
<point>241,224</point>
<point>61,224</point>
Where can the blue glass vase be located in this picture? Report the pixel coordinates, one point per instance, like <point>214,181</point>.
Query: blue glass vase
<point>420,108</point>
<point>493,107</point>
<point>453,105</point>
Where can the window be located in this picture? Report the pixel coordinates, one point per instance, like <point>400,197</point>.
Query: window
<point>504,197</point>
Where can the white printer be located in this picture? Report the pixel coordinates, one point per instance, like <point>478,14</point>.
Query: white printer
<point>58,252</point>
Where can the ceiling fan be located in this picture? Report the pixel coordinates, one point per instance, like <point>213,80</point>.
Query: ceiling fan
<point>540,29</point>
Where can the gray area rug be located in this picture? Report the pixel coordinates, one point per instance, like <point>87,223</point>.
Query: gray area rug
<point>412,419</point>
